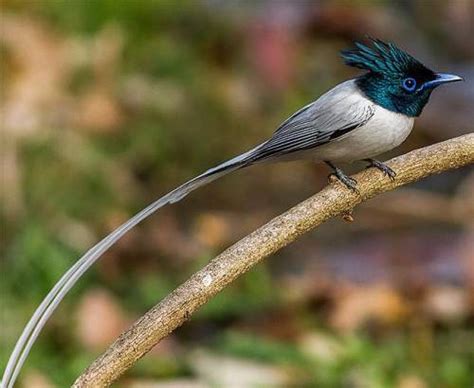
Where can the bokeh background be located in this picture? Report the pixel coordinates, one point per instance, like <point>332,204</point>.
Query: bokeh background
<point>106,105</point>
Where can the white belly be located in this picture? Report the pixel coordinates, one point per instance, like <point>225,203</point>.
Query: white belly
<point>384,131</point>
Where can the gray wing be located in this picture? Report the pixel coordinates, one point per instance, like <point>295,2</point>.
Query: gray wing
<point>333,115</point>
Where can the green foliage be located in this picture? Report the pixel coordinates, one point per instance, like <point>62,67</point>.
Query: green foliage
<point>359,360</point>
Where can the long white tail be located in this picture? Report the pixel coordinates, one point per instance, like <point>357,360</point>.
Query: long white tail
<point>67,281</point>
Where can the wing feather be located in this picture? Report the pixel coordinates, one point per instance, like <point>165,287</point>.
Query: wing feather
<point>333,115</point>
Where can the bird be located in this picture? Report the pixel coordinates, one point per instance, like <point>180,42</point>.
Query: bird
<point>354,121</point>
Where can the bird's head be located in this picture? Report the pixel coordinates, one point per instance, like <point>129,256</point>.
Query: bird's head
<point>395,80</point>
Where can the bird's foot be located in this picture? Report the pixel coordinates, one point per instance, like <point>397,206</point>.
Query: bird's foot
<point>338,174</point>
<point>382,167</point>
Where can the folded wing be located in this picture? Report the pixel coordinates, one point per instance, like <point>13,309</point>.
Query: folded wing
<point>335,114</point>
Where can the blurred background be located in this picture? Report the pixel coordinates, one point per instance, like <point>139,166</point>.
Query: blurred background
<point>107,105</point>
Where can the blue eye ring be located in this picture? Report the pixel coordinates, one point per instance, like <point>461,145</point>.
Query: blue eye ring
<point>409,84</point>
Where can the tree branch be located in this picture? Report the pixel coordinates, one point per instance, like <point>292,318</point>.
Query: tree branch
<point>333,200</point>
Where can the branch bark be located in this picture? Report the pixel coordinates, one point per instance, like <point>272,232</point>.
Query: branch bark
<point>333,200</point>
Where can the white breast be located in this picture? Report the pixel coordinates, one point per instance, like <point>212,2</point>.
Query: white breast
<point>383,132</point>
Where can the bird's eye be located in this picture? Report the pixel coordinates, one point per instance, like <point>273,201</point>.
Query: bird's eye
<point>409,84</point>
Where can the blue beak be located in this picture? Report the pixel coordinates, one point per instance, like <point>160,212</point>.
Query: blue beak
<point>442,78</point>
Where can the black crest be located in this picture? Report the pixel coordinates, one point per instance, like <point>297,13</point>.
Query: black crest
<point>385,58</point>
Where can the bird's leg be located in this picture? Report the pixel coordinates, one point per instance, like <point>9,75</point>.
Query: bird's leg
<point>382,167</point>
<point>349,182</point>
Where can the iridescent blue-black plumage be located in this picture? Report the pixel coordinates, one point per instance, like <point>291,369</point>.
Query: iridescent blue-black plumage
<point>394,80</point>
